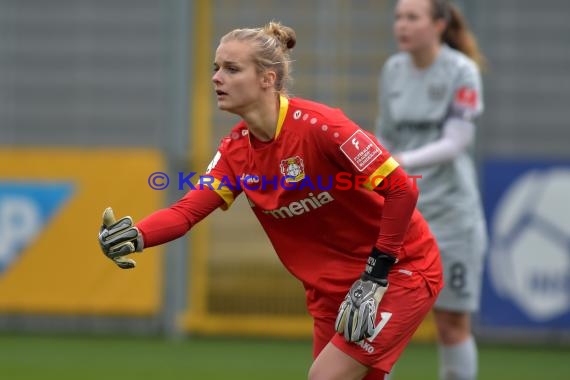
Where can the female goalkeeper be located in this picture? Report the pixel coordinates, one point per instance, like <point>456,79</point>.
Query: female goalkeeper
<point>338,209</point>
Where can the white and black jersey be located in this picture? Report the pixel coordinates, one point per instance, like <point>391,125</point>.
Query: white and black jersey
<point>415,105</point>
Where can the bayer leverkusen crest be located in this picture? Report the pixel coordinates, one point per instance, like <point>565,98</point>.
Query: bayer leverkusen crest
<point>293,169</point>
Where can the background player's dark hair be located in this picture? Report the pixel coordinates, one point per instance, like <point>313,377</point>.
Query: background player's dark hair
<point>457,34</point>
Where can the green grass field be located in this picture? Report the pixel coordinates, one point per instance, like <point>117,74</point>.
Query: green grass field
<point>95,358</point>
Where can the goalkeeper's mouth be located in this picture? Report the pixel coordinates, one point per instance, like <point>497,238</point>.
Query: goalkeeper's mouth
<point>221,93</point>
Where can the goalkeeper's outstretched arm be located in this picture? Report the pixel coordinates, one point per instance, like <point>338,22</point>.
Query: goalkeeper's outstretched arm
<point>121,238</point>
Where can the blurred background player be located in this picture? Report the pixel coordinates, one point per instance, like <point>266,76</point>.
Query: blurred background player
<point>367,240</point>
<point>430,94</point>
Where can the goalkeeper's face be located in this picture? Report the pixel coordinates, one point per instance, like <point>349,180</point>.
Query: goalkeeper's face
<point>238,84</point>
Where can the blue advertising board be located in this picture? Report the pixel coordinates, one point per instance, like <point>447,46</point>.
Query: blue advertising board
<point>25,208</point>
<point>527,269</point>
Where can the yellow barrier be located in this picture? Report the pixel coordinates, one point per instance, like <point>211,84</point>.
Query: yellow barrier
<point>62,270</point>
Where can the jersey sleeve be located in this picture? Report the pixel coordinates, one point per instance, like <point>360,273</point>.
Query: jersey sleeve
<point>357,152</point>
<point>220,178</point>
<point>467,102</point>
<point>171,223</point>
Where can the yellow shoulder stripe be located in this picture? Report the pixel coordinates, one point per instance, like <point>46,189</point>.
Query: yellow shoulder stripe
<point>382,172</point>
<point>224,191</point>
<point>283,107</point>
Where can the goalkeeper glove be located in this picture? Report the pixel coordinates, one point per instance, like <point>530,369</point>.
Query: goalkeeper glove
<point>119,238</point>
<point>357,313</point>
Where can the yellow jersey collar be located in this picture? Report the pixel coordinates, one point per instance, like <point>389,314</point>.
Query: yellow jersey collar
<point>283,107</point>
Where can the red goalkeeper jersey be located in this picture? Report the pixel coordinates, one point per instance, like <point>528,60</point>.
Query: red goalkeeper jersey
<point>311,189</point>
<point>325,192</point>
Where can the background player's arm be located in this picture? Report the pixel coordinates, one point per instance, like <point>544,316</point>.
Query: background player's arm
<point>458,131</point>
<point>456,136</point>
